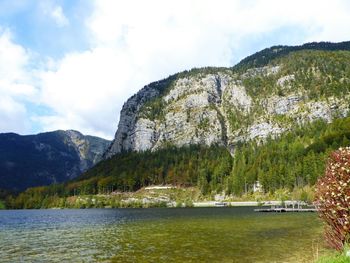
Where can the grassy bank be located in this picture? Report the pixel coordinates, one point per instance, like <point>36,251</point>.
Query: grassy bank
<point>335,258</point>
<point>174,197</point>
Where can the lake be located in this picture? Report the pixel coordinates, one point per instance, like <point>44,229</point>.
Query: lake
<point>159,235</point>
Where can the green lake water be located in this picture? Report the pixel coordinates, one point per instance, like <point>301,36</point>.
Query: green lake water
<point>159,235</point>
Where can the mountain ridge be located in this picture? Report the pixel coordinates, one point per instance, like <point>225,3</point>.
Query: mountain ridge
<point>45,158</point>
<point>228,106</point>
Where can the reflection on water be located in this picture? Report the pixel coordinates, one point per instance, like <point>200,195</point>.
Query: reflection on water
<point>158,235</point>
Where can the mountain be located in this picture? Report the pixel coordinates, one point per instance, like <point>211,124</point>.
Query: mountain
<point>263,96</point>
<point>46,158</point>
<point>272,118</point>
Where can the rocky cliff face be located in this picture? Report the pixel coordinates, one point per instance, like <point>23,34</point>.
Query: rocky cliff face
<point>88,148</point>
<point>46,158</point>
<point>128,129</point>
<point>227,106</point>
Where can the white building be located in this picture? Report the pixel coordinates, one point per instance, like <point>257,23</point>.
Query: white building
<point>257,187</point>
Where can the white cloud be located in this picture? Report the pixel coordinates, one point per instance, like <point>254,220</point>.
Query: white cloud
<point>59,17</point>
<point>13,116</point>
<point>135,42</point>
<point>13,56</point>
<point>84,93</point>
<point>54,12</point>
<point>15,85</point>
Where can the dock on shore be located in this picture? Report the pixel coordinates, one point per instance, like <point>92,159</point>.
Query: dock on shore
<point>286,209</point>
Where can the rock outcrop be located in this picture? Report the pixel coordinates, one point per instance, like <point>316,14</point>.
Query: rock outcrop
<point>226,106</point>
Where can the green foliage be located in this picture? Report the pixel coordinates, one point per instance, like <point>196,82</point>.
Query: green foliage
<point>336,258</point>
<point>204,124</point>
<point>259,85</point>
<point>317,74</point>
<point>320,74</point>
<point>295,159</point>
<point>2,205</point>
<point>194,165</point>
<point>176,166</point>
<point>265,56</point>
<point>236,118</point>
<point>153,109</point>
<point>188,203</point>
<point>305,194</point>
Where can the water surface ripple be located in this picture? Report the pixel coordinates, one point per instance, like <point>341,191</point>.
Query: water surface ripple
<point>158,235</point>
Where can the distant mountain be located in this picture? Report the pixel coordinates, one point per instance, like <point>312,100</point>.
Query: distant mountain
<point>46,158</point>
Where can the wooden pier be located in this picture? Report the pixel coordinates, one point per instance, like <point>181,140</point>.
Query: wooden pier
<point>283,210</point>
<point>291,206</point>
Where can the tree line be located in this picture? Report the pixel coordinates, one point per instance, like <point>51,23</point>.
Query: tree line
<point>295,159</point>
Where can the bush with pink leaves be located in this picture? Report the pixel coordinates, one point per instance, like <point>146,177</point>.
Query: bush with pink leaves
<point>332,198</point>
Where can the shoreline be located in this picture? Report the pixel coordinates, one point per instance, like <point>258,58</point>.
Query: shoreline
<point>247,203</point>
<point>203,204</point>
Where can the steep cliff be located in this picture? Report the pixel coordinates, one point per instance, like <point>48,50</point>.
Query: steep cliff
<point>265,95</point>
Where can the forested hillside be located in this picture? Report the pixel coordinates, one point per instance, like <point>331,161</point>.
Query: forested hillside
<point>265,56</point>
<point>294,160</point>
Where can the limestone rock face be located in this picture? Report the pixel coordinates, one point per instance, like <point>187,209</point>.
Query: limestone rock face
<point>239,98</point>
<point>191,115</point>
<point>133,132</point>
<point>221,107</point>
<point>89,149</point>
<point>285,80</point>
<point>283,105</point>
<point>263,130</point>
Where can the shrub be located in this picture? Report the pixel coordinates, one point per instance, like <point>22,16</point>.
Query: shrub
<point>332,198</point>
<point>188,203</point>
<point>179,203</point>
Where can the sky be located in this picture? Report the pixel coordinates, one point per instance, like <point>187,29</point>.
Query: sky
<point>71,64</point>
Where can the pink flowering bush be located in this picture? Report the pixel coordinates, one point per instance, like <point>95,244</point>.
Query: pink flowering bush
<point>332,198</point>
